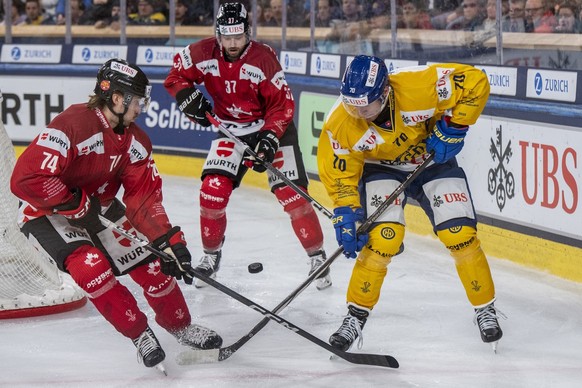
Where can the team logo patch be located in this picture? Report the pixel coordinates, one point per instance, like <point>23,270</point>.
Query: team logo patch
<point>279,160</point>
<point>388,233</point>
<point>105,85</point>
<point>124,69</point>
<point>137,151</point>
<point>225,148</point>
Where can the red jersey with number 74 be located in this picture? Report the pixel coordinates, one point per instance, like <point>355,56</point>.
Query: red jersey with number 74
<point>79,149</point>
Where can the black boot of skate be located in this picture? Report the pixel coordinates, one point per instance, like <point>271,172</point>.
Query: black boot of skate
<point>209,266</point>
<point>324,280</point>
<point>350,329</point>
<point>149,350</point>
<point>486,319</point>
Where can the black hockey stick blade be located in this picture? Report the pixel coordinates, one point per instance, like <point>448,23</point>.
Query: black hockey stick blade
<point>225,352</point>
<point>355,358</point>
<point>228,351</point>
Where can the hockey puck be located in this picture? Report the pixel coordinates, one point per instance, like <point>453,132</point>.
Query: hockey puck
<point>255,267</point>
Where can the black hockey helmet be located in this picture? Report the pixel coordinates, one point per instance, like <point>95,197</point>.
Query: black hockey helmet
<point>232,19</point>
<point>117,75</point>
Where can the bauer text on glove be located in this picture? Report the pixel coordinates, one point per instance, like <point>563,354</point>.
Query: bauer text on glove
<point>174,244</point>
<point>193,104</point>
<point>344,222</point>
<point>446,141</point>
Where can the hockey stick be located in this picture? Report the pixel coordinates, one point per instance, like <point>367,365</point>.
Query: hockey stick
<point>355,358</point>
<point>268,166</point>
<point>228,351</point>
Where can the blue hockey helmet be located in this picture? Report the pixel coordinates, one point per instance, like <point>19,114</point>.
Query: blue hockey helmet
<point>364,87</point>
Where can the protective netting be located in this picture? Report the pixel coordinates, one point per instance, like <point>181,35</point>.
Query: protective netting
<point>28,280</point>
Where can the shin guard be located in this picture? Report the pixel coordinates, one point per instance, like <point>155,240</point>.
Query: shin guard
<point>385,241</point>
<point>367,279</point>
<point>163,295</point>
<point>214,195</point>
<point>471,263</point>
<point>92,272</point>
<point>303,219</point>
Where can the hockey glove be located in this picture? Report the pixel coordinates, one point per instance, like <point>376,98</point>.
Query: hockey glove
<point>344,221</point>
<point>82,211</point>
<point>193,104</point>
<point>267,146</point>
<point>445,141</point>
<point>174,244</point>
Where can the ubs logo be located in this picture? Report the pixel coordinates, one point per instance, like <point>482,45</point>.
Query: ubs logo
<point>149,55</point>
<point>86,54</point>
<point>15,53</point>
<point>538,83</point>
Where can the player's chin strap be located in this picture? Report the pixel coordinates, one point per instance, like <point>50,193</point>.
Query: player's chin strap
<point>278,173</point>
<point>356,358</point>
<point>119,128</point>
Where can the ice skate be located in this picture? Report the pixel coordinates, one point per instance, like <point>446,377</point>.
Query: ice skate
<point>209,265</point>
<point>350,329</point>
<point>198,337</point>
<point>324,280</point>
<point>149,350</point>
<point>486,318</point>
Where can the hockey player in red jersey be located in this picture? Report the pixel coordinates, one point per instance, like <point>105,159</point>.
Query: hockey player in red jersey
<point>73,171</point>
<point>253,100</point>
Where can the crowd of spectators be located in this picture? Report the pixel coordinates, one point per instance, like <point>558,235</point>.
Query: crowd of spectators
<point>348,20</point>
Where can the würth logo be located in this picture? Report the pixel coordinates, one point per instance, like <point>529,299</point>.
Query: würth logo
<point>224,148</point>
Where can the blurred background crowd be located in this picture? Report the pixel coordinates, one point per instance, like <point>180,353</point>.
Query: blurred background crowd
<point>347,18</point>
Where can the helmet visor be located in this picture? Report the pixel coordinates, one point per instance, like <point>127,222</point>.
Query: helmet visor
<point>361,109</point>
<point>144,102</point>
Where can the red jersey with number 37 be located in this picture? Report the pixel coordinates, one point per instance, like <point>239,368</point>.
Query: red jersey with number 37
<point>250,88</point>
<point>79,149</point>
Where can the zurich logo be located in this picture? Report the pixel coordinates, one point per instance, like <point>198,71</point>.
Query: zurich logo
<point>15,53</point>
<point>286,61</point>
<point>149,55</point>
<point>318,64</point>
<point>86,54</point>
<point>538,83</point>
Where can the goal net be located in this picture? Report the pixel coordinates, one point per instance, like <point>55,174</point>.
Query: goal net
<point>30,283</point>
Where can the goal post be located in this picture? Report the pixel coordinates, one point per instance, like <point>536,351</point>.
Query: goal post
<point>30,282</point>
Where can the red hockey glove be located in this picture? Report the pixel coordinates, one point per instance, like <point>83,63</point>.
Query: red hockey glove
<point>267,145</point>
<point>174,244</point>
<point>82,211</point>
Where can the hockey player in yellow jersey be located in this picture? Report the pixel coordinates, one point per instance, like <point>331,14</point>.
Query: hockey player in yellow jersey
<point>379,129</point>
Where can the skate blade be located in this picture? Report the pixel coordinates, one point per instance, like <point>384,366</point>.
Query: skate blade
<point>494,346</point>
<point>323,283</point>
<point>197,356</point>
<point>201,283</point>
<point>162,368</point>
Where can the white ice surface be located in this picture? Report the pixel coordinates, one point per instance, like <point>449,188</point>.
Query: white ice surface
<point>423,319</point>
